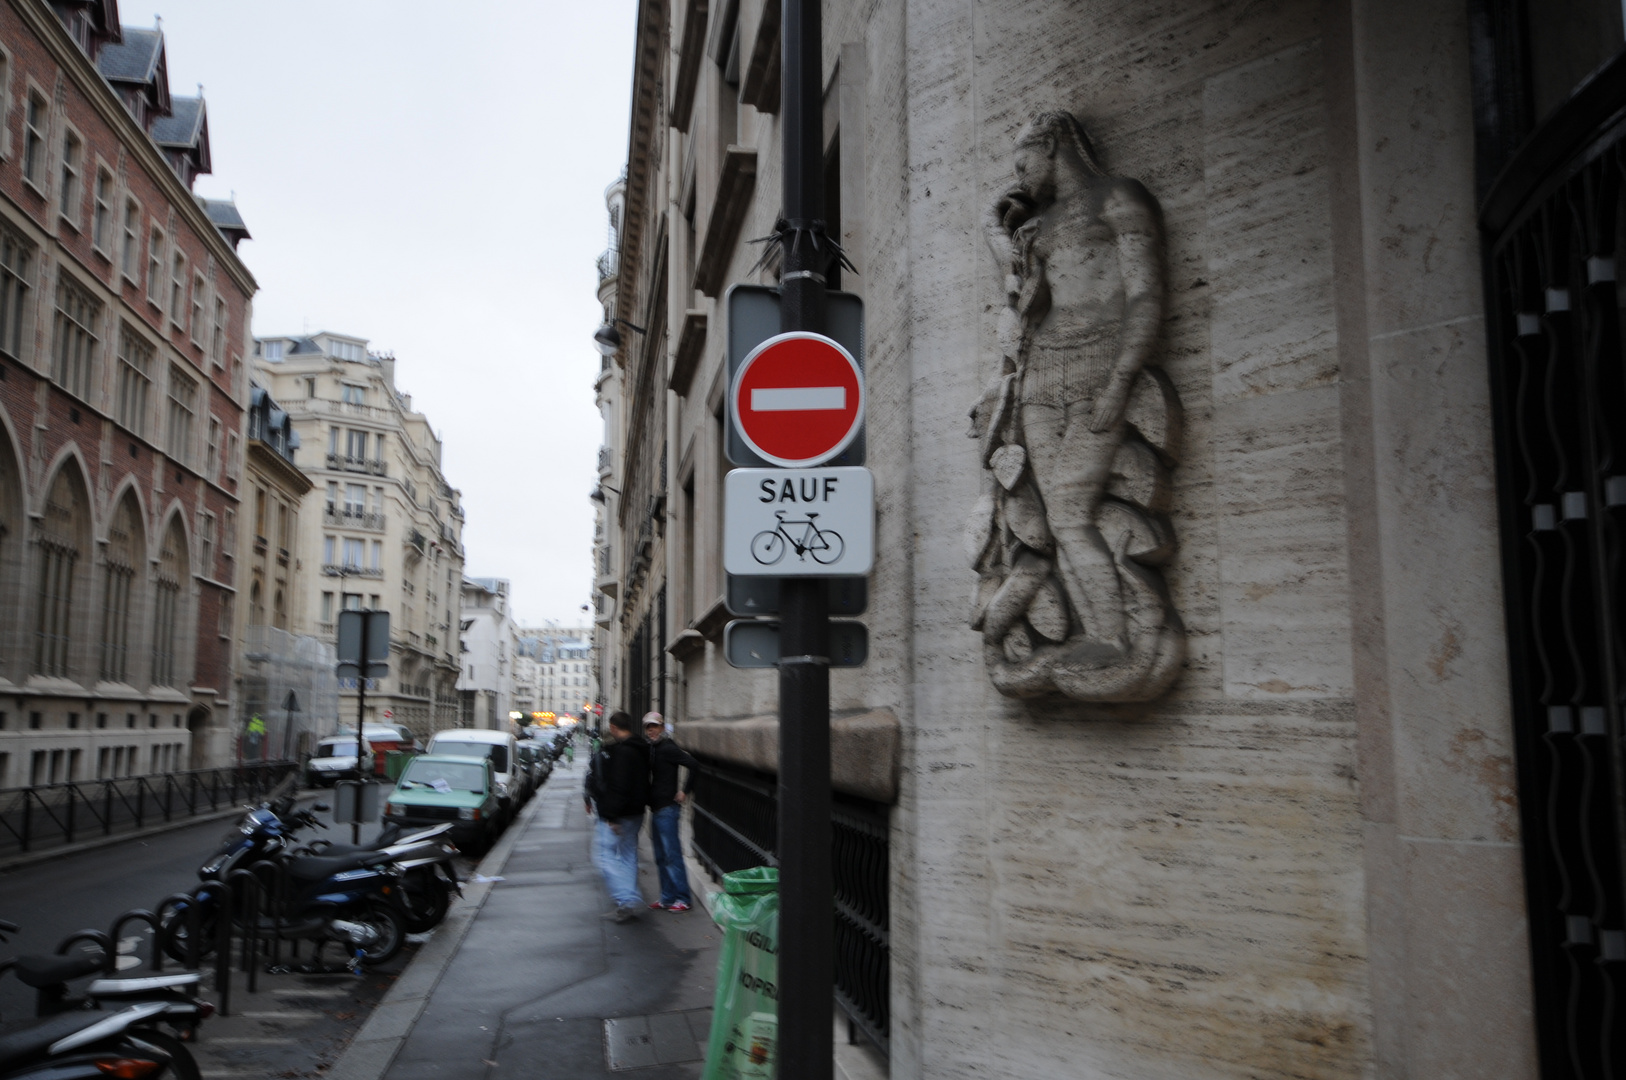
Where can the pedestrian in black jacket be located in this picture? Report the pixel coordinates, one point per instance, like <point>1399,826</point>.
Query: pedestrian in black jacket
<point>666,806</point>
<point>617,788</point>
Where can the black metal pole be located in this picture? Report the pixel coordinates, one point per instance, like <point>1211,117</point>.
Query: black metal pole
<point>361,714</point>
<point>806,897</point>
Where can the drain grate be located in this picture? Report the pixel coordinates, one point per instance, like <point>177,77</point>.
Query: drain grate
<point>638,1042</point>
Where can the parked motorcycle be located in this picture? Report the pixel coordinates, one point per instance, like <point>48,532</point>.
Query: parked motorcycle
<point>424,856</point>
<point>356,899</point>
<point>72,1037</point>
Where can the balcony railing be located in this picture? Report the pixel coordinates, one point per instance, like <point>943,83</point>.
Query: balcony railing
<point>608,264</point>
<point>606,460</point>
<point>349,517</point>
<point>350,570</point>
<point>372,467</point>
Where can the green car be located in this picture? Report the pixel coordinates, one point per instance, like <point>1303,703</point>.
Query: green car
<point>443,787</point>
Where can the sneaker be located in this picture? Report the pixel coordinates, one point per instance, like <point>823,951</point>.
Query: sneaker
<point>655,905</point>
<point>626,913</point>
<point>679,906</point>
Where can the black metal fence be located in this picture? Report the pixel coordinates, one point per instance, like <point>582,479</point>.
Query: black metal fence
<point>35,818</point>
<point>736,826</point>
<point>1553,228</point>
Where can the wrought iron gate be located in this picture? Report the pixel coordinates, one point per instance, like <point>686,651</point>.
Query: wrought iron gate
<point>1553,229</point>
<point>736,825</point>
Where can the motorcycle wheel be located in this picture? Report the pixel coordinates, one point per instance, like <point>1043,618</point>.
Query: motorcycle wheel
<point>427,899</point>
<point>181,1063</point>
<point>176,930</point>
<point>391,933</point>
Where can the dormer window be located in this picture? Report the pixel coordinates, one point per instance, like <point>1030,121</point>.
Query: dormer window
<point>345,350</point>
<point>272,351</point>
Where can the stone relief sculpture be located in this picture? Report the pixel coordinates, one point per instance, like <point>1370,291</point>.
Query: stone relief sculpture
<point>1077,434</point>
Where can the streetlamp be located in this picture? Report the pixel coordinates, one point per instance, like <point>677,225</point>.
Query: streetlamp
<point>607,339</point>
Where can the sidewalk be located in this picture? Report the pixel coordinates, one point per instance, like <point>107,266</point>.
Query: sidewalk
<point>533,971</point>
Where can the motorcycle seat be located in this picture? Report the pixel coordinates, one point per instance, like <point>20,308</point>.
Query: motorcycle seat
<point>317,867</point>
<point>40,971</point>
<point>24,1039</point>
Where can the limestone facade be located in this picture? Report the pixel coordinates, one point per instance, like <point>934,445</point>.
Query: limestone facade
<point>380,528</point>
<point>1304,859</point>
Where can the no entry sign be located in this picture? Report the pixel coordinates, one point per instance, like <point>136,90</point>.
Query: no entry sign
<point>798,399</point>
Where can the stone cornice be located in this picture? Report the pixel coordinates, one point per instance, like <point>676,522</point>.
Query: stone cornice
<point>646,81</point>
<point>268,460</point>
<point>65,51</point>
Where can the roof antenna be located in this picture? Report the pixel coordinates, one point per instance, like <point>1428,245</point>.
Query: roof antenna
<point>158,22</point>
<point>200,90</point>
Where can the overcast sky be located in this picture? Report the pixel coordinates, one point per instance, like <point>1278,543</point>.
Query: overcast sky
<point>431,177</point>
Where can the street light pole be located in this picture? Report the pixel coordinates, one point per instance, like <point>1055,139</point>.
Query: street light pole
<point>807,903</point>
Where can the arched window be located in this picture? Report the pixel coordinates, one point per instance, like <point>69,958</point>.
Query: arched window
<point>172,565</point>
<point>279,612</point>
<point>256,606</point>
<point>126,553</point>
<point>62,540</point>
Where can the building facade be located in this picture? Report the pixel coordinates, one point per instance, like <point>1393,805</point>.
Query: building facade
<point>287,690</point>
<point>381,528</point>
<point>1241,384</point>
<point>559,664</point>
<point>124,321</point>
<point>486,685</point>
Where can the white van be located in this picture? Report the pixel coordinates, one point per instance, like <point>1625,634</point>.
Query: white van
<point>499,746</point>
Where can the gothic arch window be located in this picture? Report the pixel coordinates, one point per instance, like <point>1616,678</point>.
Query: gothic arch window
<point>279,612</point>
<point>256,606</point>
<point>166,618</point>
<point>64,533</point>
<point>126,554</point>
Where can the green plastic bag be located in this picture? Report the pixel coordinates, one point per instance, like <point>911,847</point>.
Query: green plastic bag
<point>745,1012</point>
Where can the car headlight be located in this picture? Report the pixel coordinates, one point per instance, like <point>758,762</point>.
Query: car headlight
<point>391,809</point>
<point>468,813</point>
<point>502,788</point>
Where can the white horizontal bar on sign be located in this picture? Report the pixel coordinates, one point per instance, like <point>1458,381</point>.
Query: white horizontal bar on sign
<point>798,398</point>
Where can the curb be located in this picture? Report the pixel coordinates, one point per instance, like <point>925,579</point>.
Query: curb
<point>32,857</point>
<point>373,1049</point>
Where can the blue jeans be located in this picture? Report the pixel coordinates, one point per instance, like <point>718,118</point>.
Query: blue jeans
<point>616,855</point>
<point>664,837</point>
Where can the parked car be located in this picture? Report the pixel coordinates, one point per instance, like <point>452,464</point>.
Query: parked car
<point>502,750</point>
<point>334,759</point>
<point>383,738</point>
<point>445,787</point>
<point>537,761</point>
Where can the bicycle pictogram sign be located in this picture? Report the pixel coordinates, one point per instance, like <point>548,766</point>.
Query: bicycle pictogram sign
<point>803,536</point>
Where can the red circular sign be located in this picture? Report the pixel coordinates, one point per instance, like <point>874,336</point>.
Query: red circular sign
<point>798,399</point>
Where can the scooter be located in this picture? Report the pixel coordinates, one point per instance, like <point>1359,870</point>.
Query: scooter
<point>356,899</point>
<point>424,856</point>
<point>149,1001</point>
<point>93,1046</point>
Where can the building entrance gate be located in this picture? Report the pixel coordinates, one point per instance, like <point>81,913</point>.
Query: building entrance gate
<point>1553,223</point>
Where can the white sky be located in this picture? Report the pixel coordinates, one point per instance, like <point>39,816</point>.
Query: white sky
<point>431,177</point>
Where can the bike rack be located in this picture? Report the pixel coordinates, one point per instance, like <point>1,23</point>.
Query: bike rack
<point>253,904</point>
<point>185,905</point>
<point>110,960</point>
<point>144,916</point>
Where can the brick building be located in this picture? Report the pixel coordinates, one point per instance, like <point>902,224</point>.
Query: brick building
<point>124,313</point>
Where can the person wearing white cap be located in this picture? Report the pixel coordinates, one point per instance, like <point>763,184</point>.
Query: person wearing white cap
<point>666,800</point>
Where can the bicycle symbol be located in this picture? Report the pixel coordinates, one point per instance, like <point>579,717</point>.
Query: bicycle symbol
<point>768,546</point>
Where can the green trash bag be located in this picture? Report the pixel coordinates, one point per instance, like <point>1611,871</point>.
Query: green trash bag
<point>745,1012</point>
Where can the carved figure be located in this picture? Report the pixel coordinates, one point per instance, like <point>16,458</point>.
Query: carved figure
<point>1077,434</point>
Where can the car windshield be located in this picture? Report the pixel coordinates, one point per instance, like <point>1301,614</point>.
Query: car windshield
<point>336,748</point>
<point>457,775</point>
<point>497,752</point>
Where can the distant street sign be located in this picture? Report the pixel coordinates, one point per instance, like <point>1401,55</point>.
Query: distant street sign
<point>389,714</point>
<point>378,644</point>
<point>799,522</point>
<point>752,317</point>
<point>798,399</point>
<point>753,643</point>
